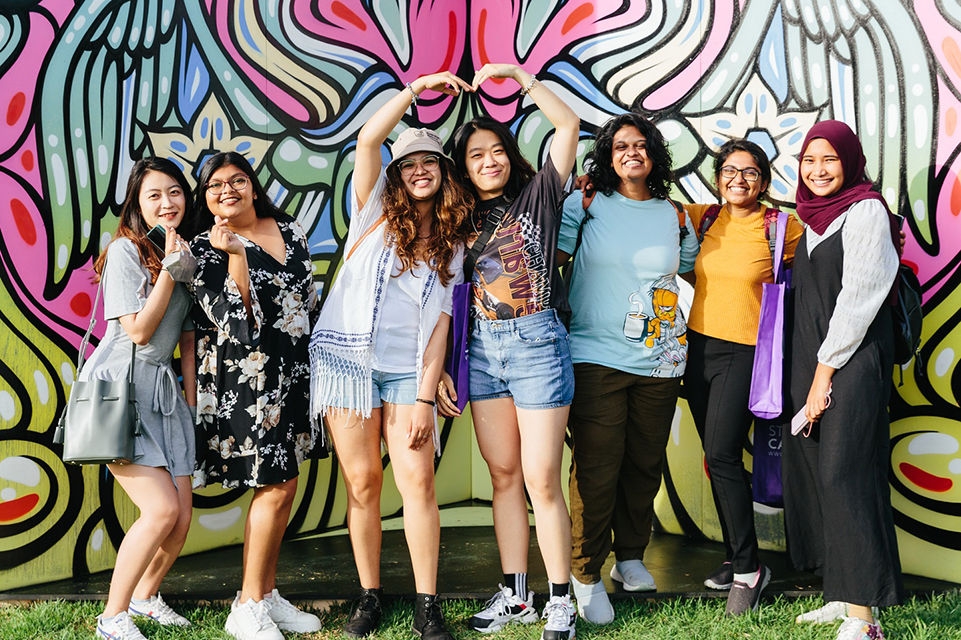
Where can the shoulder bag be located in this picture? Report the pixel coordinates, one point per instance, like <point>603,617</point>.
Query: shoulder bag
<point>458,360</point>
<point>101,419</point>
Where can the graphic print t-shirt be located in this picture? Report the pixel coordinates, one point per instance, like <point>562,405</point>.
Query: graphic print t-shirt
<point>516,273</point>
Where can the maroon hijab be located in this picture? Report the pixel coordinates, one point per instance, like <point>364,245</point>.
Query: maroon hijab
<point>820,211</point>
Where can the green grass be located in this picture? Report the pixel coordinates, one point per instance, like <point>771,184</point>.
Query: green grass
<point>934,618</point>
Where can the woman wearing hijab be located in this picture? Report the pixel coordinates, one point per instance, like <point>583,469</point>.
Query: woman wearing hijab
<point>837,500</point>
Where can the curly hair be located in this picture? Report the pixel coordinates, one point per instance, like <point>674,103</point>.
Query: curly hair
<point>599,158</point>
<point>760,159</point>
<point>132,225</point>
<point>521,170</point>
<point>450,225</point>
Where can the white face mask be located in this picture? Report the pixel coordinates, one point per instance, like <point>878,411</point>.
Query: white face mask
<point>181,265</point>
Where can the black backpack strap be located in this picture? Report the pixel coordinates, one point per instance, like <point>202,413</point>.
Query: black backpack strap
<point>491,223</point>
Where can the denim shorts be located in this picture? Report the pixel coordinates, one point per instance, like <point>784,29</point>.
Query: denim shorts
<point>526,358</point>
<point>395,388</point>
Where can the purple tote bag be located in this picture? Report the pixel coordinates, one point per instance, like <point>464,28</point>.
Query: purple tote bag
<point>457,364</point>
<point>767,398</point>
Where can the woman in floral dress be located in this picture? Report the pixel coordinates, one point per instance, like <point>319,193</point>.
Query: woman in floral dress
<point>256,302</point>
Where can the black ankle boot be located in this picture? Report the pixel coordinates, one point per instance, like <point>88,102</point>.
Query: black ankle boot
<point>366,616</point>
<point>428,619</point>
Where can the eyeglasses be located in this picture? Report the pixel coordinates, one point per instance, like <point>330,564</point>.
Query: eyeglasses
<point>429,162</point>
<point>749,173</point>
<point>237,183</point>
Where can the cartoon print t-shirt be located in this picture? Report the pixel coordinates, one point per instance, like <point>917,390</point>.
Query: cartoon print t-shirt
<point>624,292</point>
<point>516,273</point>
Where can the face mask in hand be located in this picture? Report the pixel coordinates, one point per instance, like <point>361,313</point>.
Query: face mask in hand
<point>181,265</point>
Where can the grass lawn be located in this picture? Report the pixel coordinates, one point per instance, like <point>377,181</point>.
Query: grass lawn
<point>934,618</point>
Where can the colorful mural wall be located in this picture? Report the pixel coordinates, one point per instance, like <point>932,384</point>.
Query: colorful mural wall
<point>87,87</point>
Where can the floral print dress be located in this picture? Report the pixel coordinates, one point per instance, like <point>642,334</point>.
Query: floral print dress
<point>253,376</point>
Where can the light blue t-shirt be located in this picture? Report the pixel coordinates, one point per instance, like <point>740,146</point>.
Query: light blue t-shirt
<point>624,293</point>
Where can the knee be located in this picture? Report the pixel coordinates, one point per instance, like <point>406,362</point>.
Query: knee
<point>364,487</point>
<point>504,478</point>
<point>163,516</point>
<point>544,489</point>
<point>417,483</point>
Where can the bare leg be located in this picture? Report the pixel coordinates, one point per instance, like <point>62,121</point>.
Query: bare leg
<point>154,494</point>
<point>264,531</point>
<point>495,424</point>
<point>170,548</point>
<point>357,443</point>
<point>542,448</point>
<point>414,475</point>
<point>858,611</point>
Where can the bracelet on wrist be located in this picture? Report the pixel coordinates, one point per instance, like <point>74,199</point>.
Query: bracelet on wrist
<point>530,85</point>
<point>426,401</point>
<point>413,95</point>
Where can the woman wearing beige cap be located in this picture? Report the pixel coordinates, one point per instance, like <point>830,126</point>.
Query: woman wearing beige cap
<point>377,351</point>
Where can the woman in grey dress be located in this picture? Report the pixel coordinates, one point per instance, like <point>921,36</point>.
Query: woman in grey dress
<point>143,304</point>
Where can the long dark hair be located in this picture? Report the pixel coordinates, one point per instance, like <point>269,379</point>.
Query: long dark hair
<point>521,170</point>
<point>132,225</point>
<point>760,159</point>
<point>600,165</point>
<point>452,207</point>
<point>263,206</point>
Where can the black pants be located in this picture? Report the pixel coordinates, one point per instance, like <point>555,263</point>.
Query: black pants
<point>718,384</point>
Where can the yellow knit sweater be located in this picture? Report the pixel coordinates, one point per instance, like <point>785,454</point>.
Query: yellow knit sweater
<point>735,260</point>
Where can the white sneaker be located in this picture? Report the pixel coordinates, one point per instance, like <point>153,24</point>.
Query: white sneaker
<point>119,627</point>
<point>858,629</point>
<point>829,613</point>
<point>503,609</point>
<point>592,602</point>
<point>633,576</point>
<point>561,617</point>
<point>288,617</point>
<point>251,621</point>
<point>154,607</point>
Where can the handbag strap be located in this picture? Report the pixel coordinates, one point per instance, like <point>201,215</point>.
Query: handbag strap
<point>780,231</point>
<point>491,223</point>
<point>82,355</point>
<point>376,224</point>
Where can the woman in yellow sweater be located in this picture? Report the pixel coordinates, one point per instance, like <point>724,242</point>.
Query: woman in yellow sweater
<point>734,261</point>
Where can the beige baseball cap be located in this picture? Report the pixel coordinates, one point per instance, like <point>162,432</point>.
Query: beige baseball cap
<point>413,140</point>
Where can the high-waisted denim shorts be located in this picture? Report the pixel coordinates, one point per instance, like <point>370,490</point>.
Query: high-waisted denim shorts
<point>526,358</point>
<point>395,388</point>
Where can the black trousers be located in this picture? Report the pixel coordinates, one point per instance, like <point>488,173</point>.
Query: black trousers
<point>718,384</point>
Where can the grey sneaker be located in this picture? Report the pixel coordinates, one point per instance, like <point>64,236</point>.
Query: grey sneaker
<point>633,576</point>
<point>593,603</point>
<point>722,578</point>
<point>743,599</point>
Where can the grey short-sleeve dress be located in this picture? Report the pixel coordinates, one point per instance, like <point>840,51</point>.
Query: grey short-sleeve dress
<point>167,438</point>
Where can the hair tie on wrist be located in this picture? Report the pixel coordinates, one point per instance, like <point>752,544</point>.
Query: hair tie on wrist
<point>413,96</point>
<point>530,85</point>
<point>425,401</point>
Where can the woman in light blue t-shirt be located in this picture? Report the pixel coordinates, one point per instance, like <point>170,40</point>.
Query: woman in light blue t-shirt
<point>629,348</point>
